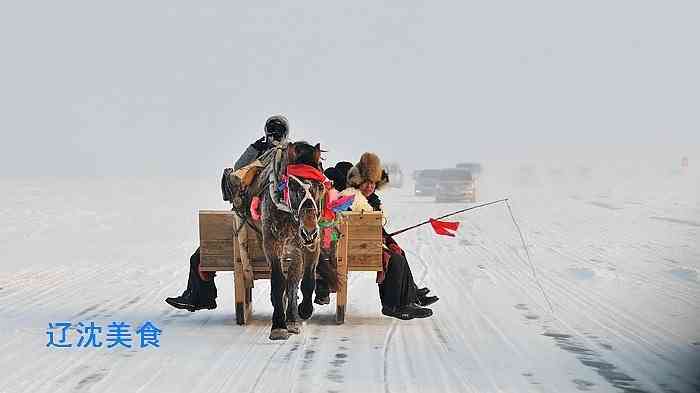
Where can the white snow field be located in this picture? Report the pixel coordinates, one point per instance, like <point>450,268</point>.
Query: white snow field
<point>617,254</point>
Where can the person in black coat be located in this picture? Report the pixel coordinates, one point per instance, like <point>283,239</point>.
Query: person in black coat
<point>201,289</point>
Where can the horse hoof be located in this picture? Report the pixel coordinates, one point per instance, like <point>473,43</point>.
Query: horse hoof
<point>279,334</point>
<point>293,327</point>
<point>305,310</point>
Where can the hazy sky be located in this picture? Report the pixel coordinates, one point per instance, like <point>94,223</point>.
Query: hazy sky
<point>176,87</point>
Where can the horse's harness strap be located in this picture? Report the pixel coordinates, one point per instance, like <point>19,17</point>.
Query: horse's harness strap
<point>245,220</point>
<point>307,196</point>
<point>257,231</point>
<point>275,177</point>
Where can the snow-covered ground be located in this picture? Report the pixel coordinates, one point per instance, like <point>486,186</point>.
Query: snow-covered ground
<point>616,252</point>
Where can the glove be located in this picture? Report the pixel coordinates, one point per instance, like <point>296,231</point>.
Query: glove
<point>226,188</point>
<point>260,145</point>
<point>374,201</point>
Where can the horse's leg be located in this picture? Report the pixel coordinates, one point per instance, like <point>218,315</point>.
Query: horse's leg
<point>293,278</point>
<point>308,282</point>
<point>278,283</point>
<point>293,325</point>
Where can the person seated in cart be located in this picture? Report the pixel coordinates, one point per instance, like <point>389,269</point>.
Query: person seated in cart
<point>400,296</point>
<point>201,289</point>
<point>326,270</point>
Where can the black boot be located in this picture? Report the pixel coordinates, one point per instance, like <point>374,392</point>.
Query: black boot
<point>200,294</point>
<point>185,302</point>
<point>425,301</point>
<point>422,291</point>
<point>182,302</point>
<point>322,292</point>
<point>209,305</point>
<point>407,312</point>
<point>322,300</point>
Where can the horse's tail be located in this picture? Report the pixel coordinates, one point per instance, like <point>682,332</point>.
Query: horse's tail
<point>327,268</point>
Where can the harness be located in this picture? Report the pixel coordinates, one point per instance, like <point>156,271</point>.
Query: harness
<point>307,196</point>
<point>275,176</point>
<point>246,220</point>
<point>271,157</point>
<point>275,181</point>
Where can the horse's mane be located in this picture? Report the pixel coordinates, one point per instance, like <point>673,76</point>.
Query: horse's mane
<point>304,153</point>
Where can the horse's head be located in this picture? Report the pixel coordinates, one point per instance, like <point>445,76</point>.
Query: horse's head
<point>305,187</point>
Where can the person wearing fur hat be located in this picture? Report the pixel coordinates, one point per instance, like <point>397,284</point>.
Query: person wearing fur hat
<point>400,296</point>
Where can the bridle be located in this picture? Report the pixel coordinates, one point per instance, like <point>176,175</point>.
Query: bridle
<point>307,237</point>
<point>307,196</point>
<point>280,176</point>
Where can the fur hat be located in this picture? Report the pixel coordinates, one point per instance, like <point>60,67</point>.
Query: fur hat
<point>368,169</point>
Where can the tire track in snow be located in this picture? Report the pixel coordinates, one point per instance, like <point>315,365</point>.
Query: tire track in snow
<point>85,363</point>
<point>387,343</point>
<point>447,375</point>
<point>392,330</point>
<point>615,312</point>
<point>574,295</point>
<point>454,378</point>
<point>459,325</point>
<point>513,280</point>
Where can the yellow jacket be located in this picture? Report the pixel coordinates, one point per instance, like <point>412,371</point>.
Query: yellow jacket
<point>360,202</point>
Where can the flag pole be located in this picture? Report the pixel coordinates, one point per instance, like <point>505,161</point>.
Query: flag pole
<point>447,215</point>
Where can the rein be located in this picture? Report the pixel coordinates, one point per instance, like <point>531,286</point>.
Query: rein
<point>280,175</point>
<point>307,196</point>
<point>298,173</point>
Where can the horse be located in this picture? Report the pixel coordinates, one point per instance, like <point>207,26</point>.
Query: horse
<point>290,228</point>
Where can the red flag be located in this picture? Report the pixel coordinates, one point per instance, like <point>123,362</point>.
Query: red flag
<point>447,228</point>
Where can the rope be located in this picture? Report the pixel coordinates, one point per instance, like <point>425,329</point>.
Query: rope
<point>445,216</point>
<point>527,253</point>
<point>517,227</point>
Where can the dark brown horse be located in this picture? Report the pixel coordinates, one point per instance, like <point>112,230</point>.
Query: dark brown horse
<point>291,233</point>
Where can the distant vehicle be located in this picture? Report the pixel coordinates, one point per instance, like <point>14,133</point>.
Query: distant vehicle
<point>455,185</point>
<point>473,167</point>
<point>426,180</point>
<point>395,174</point>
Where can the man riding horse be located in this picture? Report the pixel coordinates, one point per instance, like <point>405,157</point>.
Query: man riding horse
<point>201,289</point>
<point>282,199</point>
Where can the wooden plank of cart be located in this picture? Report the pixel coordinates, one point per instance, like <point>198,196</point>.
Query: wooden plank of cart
<point>359,248</point>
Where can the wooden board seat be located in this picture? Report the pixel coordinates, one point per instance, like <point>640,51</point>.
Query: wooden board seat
<point>359,248</point>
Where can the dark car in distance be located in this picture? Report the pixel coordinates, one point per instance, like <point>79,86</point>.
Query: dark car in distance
<point>426,180</point>
<point>473,167</point>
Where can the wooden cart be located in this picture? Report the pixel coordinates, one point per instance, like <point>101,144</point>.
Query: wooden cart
<point>359,248</point>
